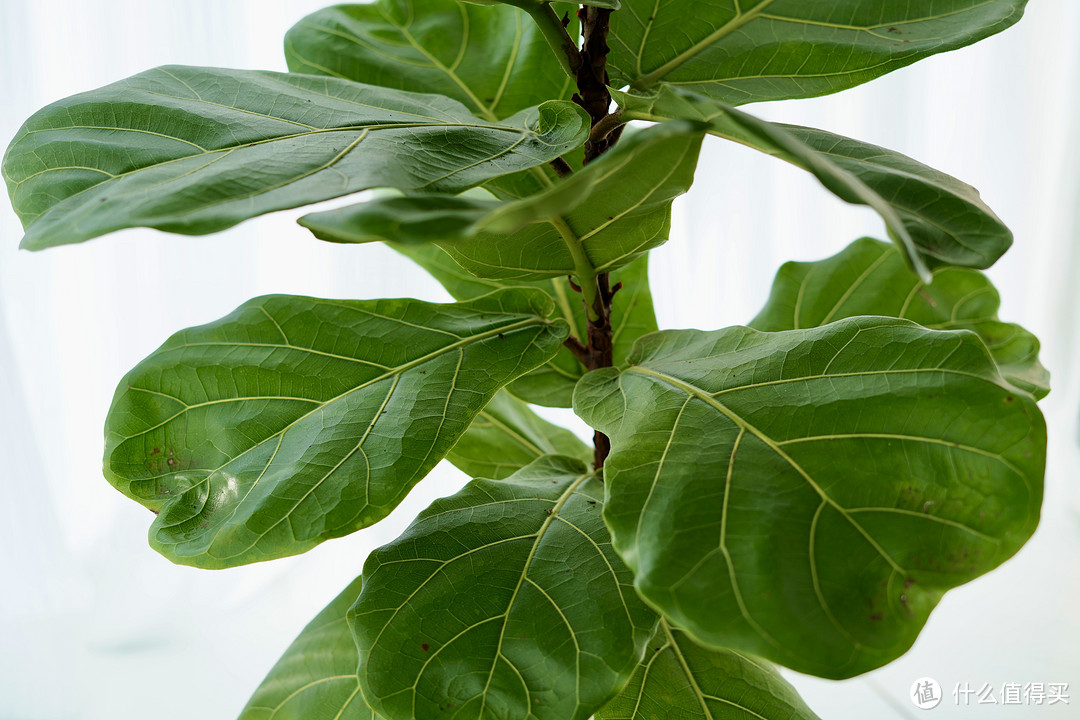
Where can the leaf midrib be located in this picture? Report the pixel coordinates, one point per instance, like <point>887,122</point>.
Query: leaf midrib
<point>223,151</point>
<point>566,495</point>
<point>741,422</point>
<point>397,370</point>
<point>643,82</point>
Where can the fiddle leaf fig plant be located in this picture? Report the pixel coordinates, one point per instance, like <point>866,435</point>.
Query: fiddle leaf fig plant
<point>801,491</point>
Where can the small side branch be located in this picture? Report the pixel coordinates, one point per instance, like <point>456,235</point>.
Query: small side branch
<point>607,125</point>
<point>562,168</point>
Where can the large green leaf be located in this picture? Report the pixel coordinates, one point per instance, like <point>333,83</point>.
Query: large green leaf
<point>552,384</point>
<point>869,278</point>
<point>503,601</point>
<point>681,680</point>
<point>506,436</point>
<point>316,677</point>
<point>294,420</point>
<point>600,219</point>
<point>808,495</point>
<point>742,51</point>
<point>197,150</point>
<point>493,59</point>
<point>935,218</point>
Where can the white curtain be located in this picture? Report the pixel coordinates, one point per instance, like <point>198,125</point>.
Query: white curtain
<point>95,626</point>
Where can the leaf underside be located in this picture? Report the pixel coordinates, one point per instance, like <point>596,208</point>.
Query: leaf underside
<point>610,212</point>
<point>759,539</point>
<point>936,219</point>
<point>198,150</point>
<point>294,420</point>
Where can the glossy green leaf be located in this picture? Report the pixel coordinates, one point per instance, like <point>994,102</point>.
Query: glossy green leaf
<point>197,150</point>
<point>294,420</point>
<point>742,51</point>
<point>807,496</point>
<point>552,384</point>
<point>506,436</point>
<point>869,278</point>
<point>316,677</point>
<point>935,218</point>
<point>494,60</point>
<point>503,601</point>
<point>681,680</point>
<point>600,219</point>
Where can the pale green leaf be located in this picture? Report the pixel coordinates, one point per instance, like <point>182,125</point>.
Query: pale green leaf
<point>870,278</point>
<point>809,495</point>
<point>742,51</point>
<point>316,677</point>
<point>197,150</point>
<point>294,420</point>
<point>503,601</point>
<point>681,680</point>
<point>494,60</point>
<point>506,436</point>
<point>552,384</point>
<point>935,218</point>
<point>600,219</point>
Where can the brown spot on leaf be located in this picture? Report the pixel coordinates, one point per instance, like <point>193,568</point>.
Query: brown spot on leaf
<point>424,647</point>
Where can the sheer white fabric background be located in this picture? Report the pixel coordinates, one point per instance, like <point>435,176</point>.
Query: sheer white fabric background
<point>95,625</point>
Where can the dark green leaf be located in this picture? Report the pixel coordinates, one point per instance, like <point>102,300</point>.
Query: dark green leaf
<point>294,420</point>
<point>552,384</point>
<point>493,59</point>
<point>808,495</point>
<point>598,220</point>
<point>503,601</point>
<point>681,680</point>
<point>870,278</point>
<point>197,150</point>
<point>506,436</point>
<point>742,51</point>
<point>929,213</point>
<point>316,677</point>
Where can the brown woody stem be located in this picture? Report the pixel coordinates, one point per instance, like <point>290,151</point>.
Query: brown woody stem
<point>593,95</point>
